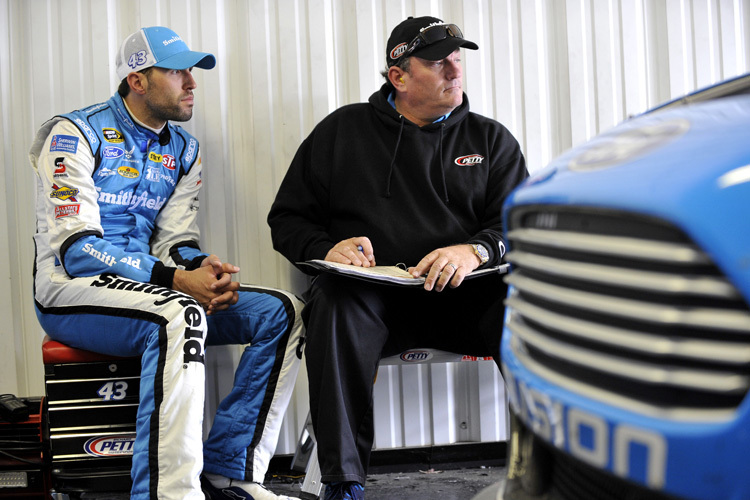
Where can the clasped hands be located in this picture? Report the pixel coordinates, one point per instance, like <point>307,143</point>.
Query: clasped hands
<point>447,266</point>
<point>211,284</point>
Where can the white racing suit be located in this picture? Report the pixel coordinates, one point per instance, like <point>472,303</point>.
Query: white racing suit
<point>116,214</point>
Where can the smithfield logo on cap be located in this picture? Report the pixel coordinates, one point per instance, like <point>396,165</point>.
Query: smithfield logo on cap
<point>175,38</point>
<point>469,159</point>
<point>108,446</point>
<point>398,50</point>
<point>436,23</point>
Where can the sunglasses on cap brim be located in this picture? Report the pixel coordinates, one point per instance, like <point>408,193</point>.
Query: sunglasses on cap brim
<point>430,35</point>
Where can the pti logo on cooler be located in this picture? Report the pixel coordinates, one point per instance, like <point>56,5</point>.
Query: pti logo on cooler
<point>415,356</point>
<point>109,446</point>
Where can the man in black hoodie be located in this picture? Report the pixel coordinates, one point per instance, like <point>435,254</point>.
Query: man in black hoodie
<point>413,177</point>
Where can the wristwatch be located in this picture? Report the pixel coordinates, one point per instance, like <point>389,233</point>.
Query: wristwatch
<point>481,252</point>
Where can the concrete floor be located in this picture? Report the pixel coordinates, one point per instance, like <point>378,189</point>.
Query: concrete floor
<point>474,483</point>
<point>479,483</point>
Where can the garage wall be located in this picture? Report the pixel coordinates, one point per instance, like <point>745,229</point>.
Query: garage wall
<point>556,72</point>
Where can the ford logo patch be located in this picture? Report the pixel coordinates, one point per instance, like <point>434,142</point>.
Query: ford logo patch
<point>111,152</point>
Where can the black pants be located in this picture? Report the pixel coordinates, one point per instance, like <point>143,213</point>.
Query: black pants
<point>352,323</point>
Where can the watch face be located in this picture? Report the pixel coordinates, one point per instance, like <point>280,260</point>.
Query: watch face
<point>484,256</point>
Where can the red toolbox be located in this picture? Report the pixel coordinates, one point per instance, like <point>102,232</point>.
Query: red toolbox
<point>92,400</point>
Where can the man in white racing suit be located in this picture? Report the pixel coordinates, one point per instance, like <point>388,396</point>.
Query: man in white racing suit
<point>119,271</point>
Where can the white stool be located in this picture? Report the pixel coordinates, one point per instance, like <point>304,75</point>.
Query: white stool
<point>306,456</point>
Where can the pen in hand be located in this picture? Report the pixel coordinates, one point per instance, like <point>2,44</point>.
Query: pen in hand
<point>370,260</point>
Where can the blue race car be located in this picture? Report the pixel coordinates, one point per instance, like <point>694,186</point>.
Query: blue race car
<point>626,345</point>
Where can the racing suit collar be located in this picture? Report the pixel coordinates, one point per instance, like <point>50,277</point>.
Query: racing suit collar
<point>137,130</point>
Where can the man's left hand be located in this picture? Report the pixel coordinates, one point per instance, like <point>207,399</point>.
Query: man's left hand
<point>224,284</point>
<point>446,266</point>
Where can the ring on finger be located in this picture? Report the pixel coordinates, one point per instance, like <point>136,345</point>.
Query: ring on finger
<point>453,266</point>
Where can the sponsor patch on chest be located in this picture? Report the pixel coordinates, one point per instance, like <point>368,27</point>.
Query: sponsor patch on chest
<point>467,160</point>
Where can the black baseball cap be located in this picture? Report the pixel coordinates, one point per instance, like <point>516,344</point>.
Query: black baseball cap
<point>438,40</point>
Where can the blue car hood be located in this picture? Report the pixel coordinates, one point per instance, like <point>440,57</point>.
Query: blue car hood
<point>688,165</point>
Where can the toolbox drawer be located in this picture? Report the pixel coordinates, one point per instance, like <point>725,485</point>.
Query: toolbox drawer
<point>73,417</point>
<point>107,382</point>
<point>102,443</point>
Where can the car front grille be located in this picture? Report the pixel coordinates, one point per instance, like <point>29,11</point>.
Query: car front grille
<point>560,476</point>
<point>627,309</point>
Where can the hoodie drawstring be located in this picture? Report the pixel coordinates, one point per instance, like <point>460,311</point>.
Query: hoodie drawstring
<point>393,159</point>
<point>440,159</point>
<point>442,166</point>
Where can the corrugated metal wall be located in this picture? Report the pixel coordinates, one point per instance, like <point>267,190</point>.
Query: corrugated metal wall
<point>556,72</point>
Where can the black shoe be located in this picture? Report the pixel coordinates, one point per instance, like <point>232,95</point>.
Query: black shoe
<point>344,491</point>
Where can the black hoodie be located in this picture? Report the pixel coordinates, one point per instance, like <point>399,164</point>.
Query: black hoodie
<point>367,171</point>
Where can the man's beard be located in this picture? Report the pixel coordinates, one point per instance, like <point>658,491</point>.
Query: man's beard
<point>168,112</point>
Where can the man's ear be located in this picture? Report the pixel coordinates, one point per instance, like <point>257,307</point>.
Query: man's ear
<point>396,77</point>
<point>138,83</point>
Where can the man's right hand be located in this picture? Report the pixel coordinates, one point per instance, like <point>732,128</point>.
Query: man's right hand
<point>211,284</point>
<point>355,251</point>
